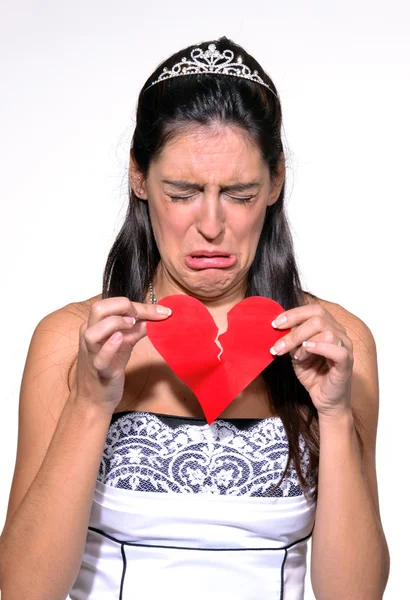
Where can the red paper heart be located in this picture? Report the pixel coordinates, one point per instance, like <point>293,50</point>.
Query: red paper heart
<point>186,341</point>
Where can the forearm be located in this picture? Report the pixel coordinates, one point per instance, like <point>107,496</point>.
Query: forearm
<point>42,545</point>
<point>350,558</point>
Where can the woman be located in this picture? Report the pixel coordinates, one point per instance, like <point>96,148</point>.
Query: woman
<point>121,488</point>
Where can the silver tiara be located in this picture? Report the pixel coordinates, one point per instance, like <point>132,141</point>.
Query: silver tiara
<point>211,61</point>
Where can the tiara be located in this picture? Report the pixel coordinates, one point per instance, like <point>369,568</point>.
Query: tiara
<point>211,61</point>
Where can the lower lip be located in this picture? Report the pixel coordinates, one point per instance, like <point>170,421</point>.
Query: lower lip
<point>210,262</point>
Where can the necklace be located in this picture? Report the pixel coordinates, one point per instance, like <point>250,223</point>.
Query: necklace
<point>152,295</point>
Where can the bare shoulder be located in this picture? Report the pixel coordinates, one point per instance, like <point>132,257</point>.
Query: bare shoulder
<point>332,307</point>
<point>364,392</point>
<point>310,298</point>
<point>59,332</point>
<point>46,383</point>
<point>68,319</point>
<point>76,312</point>
<point>82,308</point>
<point>355,327</point>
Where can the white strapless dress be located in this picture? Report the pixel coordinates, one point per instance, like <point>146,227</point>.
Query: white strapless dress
<point>184,510</point>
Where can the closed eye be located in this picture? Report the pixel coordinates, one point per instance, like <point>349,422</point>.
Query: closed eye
<point>176,198</point>
<point>240,199</point>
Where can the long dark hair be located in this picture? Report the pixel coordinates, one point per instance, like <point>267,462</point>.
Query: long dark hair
<point>166,109</point>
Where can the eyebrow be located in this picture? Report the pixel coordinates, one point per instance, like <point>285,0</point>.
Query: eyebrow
<point>186,185</point>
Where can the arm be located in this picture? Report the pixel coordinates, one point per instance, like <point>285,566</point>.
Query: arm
<point>56,469</point>
<point>350,557</point>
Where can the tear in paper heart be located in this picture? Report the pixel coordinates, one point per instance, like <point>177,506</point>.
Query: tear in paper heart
<point>216,371</point>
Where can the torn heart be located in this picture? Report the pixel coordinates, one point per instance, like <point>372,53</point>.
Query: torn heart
<point>216,367</point>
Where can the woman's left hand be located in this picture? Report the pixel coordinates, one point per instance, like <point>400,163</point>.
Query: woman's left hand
<point>325,369</point>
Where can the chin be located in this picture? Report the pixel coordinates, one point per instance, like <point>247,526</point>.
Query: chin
<point>209,283</point>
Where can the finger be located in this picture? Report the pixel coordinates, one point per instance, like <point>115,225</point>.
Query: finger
<point>315,328</point>
<point>120,305</point>
<point>299,314</point>
<point>96,335</point>
<point>305,331</point>
<point>300,353</point>
<point>340,355</point>
<point>151,312</point>
<point>146,312</point>
<point>102,362</point>
<point>123,306</point>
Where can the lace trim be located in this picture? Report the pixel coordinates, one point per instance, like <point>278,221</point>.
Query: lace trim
<point>143,453</point>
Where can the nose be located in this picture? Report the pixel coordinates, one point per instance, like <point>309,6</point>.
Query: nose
<point>210,221</point>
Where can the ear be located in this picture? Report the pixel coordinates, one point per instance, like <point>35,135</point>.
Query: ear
<point>137,179</point>
<point>277,181</point>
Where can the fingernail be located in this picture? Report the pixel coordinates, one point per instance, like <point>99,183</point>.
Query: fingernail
<point>130,320</point>
<point>163,310</point>
<point>279,321</point>
<point>277,347</point>
<point>309,344</point>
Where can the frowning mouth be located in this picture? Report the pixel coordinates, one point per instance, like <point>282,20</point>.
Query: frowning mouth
<point>205,259</point>
<point>208,253</point>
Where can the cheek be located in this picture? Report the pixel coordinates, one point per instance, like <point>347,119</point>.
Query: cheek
<point>169,225</point>
<point>248,228</point>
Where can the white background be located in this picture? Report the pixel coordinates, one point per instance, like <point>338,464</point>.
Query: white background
<point>70,76</point>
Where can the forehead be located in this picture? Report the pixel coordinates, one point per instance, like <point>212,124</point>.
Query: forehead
<point>204,150</point>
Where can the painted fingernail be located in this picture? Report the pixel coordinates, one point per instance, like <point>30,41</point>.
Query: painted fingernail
<point>278,347</point>
<point>129,320</point>
<point>163,310</point>
<point>309,344</point>
<point>279,321</point>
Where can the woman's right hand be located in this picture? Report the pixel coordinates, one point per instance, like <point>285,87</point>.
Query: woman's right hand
<point>105,346</point>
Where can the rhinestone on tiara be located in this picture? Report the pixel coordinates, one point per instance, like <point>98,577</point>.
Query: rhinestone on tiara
<point>211,61</point>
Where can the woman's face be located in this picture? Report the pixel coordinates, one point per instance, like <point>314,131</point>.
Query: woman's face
<point>199,204</point>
